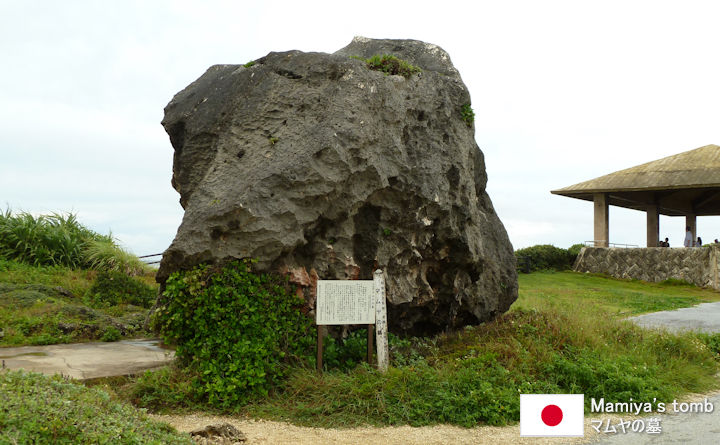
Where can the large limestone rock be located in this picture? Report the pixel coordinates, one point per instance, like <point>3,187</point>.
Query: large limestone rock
<point>319,167</point>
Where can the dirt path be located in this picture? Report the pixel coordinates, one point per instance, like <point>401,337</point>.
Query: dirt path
<point>268,432</point>
<point>702,428</point>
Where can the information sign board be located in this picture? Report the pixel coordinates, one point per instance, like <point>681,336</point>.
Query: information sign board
<point>345,302</point>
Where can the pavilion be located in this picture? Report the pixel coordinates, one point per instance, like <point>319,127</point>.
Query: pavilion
<point>686,184</point>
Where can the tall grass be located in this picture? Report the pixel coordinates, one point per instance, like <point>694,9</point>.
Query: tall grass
<point>107,255</point>
<point>45,240</point>
<point>60,239</point>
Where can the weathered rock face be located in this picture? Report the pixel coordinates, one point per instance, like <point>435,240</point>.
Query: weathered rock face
<point>319,167</point>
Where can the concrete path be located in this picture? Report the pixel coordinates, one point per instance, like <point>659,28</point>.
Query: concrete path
<point>703,317</point>
<point>88,360</point>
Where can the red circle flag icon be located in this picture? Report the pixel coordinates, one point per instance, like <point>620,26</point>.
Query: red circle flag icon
<point>552,414</point>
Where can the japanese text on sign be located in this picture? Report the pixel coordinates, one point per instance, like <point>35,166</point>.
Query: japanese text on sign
<point>345,302</point>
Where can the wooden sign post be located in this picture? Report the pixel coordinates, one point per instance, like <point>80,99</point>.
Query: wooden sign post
<point>381,320</point>
<point>343,302</point>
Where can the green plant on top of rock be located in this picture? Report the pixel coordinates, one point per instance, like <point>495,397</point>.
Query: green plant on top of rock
<point>390,65</point>
<point>249,64</point>
<point>468,115</point>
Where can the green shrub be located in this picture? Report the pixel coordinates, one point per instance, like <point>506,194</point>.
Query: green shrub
<point>390,65</point>
<point>49,410</point>
<point>111,333</point>
<point>235,328</point>
<point>676,282</point>
<point>346,353</point>
<point>574,251</point>
<point>113,288</point>
<point>168,388</point>
<point>548,257</point>
<point>712,341</point>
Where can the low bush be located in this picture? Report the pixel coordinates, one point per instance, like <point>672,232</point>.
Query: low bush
<point>169,388</point>
<point>345,354</point>
<point>236,329</point>
<point>113,288</point>
<point>574,251</point>
<point>49,410</point>
<point>111,333</point>
<point>548,257</point>
<point>712,341</point>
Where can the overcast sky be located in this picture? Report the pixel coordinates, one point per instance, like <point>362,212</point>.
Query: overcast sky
<point>563,91</point>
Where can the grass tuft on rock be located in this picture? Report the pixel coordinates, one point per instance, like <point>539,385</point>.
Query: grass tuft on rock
<point>390,65</point>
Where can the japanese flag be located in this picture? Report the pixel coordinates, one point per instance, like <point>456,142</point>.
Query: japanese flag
<point>551,414</point>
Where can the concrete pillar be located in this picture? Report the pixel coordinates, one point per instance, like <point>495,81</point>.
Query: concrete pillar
<point>653,225</point>
<point>691,221</point>
<point>602,221</point>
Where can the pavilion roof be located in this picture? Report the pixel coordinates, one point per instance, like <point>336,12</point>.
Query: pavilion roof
<point>685,183</point>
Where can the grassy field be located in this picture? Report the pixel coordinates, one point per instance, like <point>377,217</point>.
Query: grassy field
<point>565,334</point>
<point>42,305</point>
<point>617,298</point>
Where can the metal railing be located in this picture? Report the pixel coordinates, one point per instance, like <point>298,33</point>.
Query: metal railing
<point>596,242</point>
<point>150,256</point>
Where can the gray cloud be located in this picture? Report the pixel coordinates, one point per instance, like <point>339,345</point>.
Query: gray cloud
<point>563,92</point>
